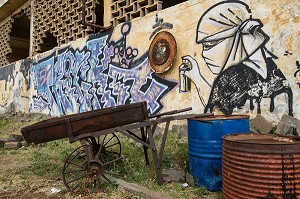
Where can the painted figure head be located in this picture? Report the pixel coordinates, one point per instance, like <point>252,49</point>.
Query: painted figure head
<point>230,36</point>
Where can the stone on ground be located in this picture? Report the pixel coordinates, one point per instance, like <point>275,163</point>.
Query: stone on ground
<point>15,138</point>
<point>12,145</point>
<point>173,175</point>
<point>262,125</point>
<point>287,124</point>
<point>189,179</point>
<point>140,190</point>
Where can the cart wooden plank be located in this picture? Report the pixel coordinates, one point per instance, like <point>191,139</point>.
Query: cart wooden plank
<point>87,122</point>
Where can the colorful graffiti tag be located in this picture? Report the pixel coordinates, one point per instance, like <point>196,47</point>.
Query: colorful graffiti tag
<point>234,50</point>
<point>103,74</point>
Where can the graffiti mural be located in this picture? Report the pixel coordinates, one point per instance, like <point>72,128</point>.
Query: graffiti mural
<point>234,51</point>
<point>297,73</point>
<point>7,74</point>
<point>104,73</point>
<point>7,79</point>
<point>160,25</point>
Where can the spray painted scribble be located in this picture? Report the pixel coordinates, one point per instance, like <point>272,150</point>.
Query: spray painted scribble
<point>101,75</point>
<point>160,25</point>
<point>297,73</point>
<point>7,74</point>
<point>234,50</point>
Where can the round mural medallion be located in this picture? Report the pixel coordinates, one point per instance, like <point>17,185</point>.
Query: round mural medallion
<point>162,52</point>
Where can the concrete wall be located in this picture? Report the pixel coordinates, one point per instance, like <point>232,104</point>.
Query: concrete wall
<point>3,2</point>
<point>234,57</point>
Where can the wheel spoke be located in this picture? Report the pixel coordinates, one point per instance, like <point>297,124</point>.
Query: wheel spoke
<point>78,153</point>
<point>73,171</point>
<point>109,140</point>
<point>112,145</point>
<point>74,188</point>
<point>115,160</point>
<point>101,146</point>
<point>113,152</point>
<point>74,163</point>
<point>75,179</point>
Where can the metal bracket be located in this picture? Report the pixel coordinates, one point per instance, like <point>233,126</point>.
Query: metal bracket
<point>69,130</point>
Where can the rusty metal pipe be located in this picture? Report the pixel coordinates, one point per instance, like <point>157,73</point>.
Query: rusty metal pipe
<point>171,112</point>
<point>90,24</point>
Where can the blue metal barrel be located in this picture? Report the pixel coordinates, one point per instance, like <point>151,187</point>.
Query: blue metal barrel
<point>205,146</point>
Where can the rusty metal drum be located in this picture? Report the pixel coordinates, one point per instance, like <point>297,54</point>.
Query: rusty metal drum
<point>261,166</point>
<point>205,146</point>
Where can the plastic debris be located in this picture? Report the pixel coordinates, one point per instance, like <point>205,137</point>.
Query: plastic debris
<point>55,190</point>
<point>185,185</point>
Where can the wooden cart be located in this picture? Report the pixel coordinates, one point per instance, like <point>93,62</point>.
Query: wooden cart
<point>100,147</point>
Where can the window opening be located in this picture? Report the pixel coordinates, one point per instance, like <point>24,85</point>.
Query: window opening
<point>167,4</point>
<point>19,38</point>
<point>49,42</point>
<point>99,10</point>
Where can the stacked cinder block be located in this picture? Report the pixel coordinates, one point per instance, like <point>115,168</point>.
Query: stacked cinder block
<point>5,29</point>
<point>62,18</point>
<point>126,10</point>
<point>14,141</point>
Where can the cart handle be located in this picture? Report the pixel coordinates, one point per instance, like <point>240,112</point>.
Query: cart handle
<point>171,112</point>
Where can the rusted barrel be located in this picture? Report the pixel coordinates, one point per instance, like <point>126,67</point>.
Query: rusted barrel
<point>260,166</point>
<point>205,146</point>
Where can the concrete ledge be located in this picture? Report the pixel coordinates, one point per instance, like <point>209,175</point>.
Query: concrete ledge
<point>7,7</point>
<point>140,190</point>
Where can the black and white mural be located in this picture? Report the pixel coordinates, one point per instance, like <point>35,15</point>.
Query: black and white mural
<point>233,48</point>
<point>297,73</point>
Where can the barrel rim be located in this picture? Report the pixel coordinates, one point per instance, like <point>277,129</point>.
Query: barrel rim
<point>220,117</point>
<point>227,137</point>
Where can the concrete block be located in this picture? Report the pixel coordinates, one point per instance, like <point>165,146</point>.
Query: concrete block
<point>15,138</point>
<point>48,14</point>
<point>173,175</point>
<point>286,125</point>
<point>6,140</point>
<point>12,145</point>
<point>189,179</point>
<point>260,124</point>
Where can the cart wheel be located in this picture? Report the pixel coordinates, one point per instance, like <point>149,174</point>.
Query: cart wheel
<point>107,148</point>
<point>80,173</point>
<point>74,170</point>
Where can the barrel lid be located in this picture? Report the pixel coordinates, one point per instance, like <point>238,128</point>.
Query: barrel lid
<point>221,117</point>
<point>254,138</point>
